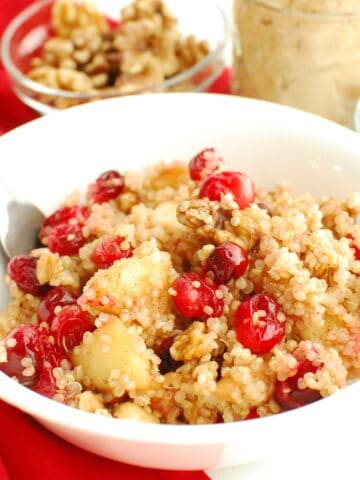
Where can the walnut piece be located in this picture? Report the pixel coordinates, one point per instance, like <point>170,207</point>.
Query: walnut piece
<point>68,16</point>
<point>193,343</point>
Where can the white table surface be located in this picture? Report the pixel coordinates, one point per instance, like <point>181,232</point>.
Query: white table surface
<point>330,460</point>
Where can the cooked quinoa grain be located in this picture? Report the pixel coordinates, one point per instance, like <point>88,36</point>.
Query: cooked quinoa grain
<point>188,301</point>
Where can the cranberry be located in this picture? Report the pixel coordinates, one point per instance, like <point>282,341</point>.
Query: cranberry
<point>205,163</point>
<point>108,186</point>
<point>262,334</point>
<point>66,239</point>
<point>288,395</point>
<point>252,414</point>
<point>193,294</point>
<point>52,354</point>
<point>46,384</point>
<point>219,418</point>
<point>168,364</point>
<point>238,184</point>
<point>24,342</point>
<point>56,297</point>
<point>107,252</point>
<point>227,261</point>
<point>357,252</point>
<point>73,215</point>
<point>52,357</point>
<point>113,25</point>
<point>69,326</point>
<point>355,248</point>
<point>22,269</point>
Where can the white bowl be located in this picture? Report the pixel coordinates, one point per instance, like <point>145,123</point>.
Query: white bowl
<point>49,157</point>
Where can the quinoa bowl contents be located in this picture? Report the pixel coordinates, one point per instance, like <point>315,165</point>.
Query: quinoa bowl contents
<point>185,294</point>
<point>61,53</point>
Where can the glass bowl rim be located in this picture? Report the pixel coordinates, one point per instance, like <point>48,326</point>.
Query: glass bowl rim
<point>20,78</point>
<point>305,14</point>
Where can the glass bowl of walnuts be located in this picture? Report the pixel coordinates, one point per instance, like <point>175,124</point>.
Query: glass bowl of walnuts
<point>61,53</point>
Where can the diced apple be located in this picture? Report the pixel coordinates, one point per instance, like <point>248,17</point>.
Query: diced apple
<point>110,353</point>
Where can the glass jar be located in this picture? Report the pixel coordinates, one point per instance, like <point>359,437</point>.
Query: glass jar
<point>298,56</point>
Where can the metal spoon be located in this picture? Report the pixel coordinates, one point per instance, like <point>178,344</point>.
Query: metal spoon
<point>19,223</point>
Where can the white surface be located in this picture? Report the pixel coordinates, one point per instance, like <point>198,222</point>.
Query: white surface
<point>51,156</point>
<point>323,459</point>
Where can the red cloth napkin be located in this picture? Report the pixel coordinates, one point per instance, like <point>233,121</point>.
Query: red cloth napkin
<point>28,451</point>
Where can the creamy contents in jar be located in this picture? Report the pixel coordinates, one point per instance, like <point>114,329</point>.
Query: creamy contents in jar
<point>324,6</point>
<point>302,53</point>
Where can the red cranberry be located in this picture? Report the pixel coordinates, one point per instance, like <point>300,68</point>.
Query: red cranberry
<point>193,294</point>
<point>24,342</point>
<point>52,354</point>
<point>66,239</point>
<point>288,395</point>
<point>355,248</point>
<point>22,269</point>
<point>113,25</point>
<point>108,186</point>
<point>56,297</point>
<point>73,215</point>
<point>219,418</point>
<point>52,357</point>
<point>168,364</point>
<point>227,261</point>
<point>252,414</point>
<point>357,252</point>
<point>205,163</point>
<point>262,334</point>
<point>46,384</point>
<point>69,326</point>
<point>107,252</point>
<point>238,184</point>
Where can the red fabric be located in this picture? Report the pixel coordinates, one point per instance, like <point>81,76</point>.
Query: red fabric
<point>27,451</point>
<point>12,111</point>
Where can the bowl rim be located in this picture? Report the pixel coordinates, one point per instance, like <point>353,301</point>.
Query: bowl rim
<point>52,412</point>
<point>19,77</point>
<point>47,410</point>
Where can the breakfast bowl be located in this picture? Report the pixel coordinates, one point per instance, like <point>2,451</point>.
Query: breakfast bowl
<point>50,157</point>
<point>183,51</point>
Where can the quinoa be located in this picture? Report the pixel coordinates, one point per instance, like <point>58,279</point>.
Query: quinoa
<point>147,356</point>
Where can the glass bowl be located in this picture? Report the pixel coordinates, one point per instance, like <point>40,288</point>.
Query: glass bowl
<point>26,34</point>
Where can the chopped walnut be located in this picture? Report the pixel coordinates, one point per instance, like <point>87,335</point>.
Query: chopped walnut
<point>68,16</point>
<point>193,343</point>
<point>86,56</point>
<point>62,78</point>
<point>190,51</point>
<point>56,270</point>
<point>219,222</point>
<point>207,219</point>
<point>199,214</point>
